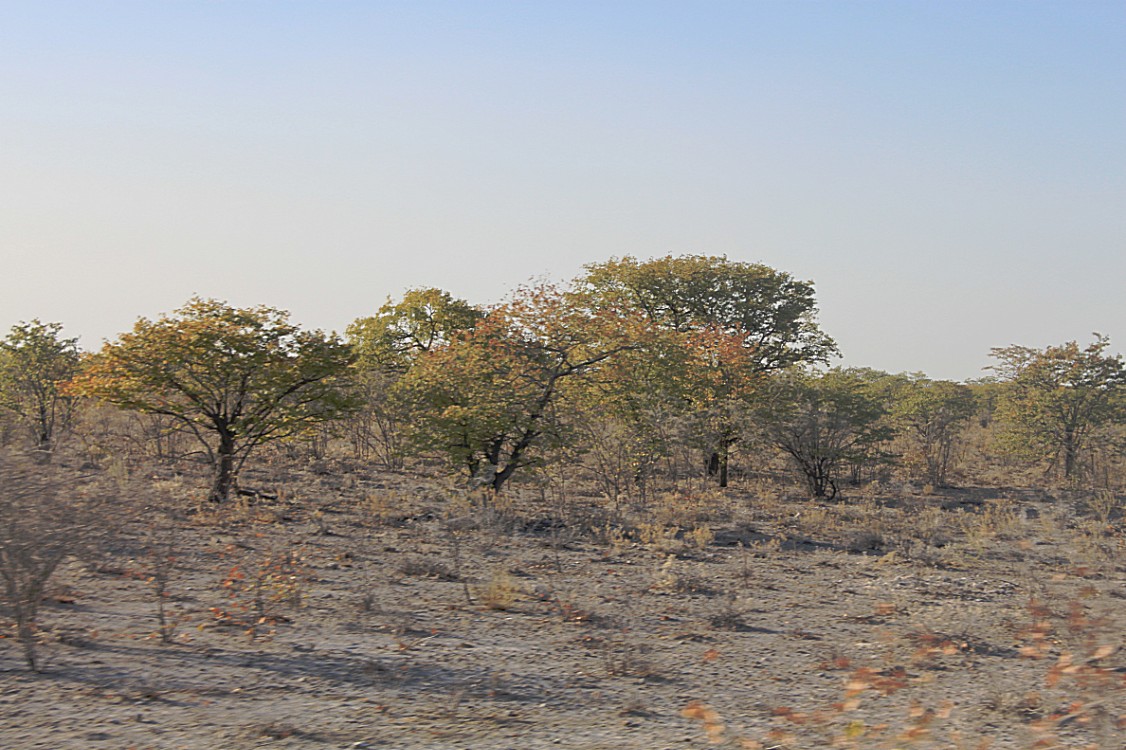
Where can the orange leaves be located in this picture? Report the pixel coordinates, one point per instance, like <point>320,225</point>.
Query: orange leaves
<point>712,723</point>
<point>932,645</point>
<point>838,724</point>
<point>1038,634</point>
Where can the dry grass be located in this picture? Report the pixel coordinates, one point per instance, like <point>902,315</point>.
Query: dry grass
<point>398,609</point>
<point>500,592</point>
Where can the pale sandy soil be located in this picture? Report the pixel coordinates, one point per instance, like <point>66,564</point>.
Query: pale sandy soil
<point>603,644</point>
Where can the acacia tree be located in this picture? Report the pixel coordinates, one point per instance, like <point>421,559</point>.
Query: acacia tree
<point>385,346</point>
<point>235,378</point>
<point>741,321</point>
<point>489,399</point>
<point>1055,399</point>
<point>35,360</point>
<point>822,422</point>
<point>934,413</point>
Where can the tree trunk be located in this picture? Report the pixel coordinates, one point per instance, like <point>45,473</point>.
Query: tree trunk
<point>819,479</point>
<point>224,468</point>
<point>501,477</point>
<point>719,459</point>
<point>43,442</point>
<point>25,633</point>
<point>1070,454</point>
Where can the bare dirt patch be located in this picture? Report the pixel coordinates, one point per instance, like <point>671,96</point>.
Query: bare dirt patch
<point>382,610</point>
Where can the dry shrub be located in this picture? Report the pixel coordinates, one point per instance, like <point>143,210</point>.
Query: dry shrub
<point>767,492</point>
<point>689,508</point>
<point>669,578</point>
<point>612,536</point>
<point>161,561</point>
<point>240,510</point>
<point>418,566</point>
<point>501,592</point>
<point>729,615</point>
<point>260,584</point>
<point>819,521</point>
<point>864,541</point>
<point>380,508</point>
<point>47,513</point>
<point>699,537</point>
<point>660,537</point>
<point>623,657</point>
<point>1105,506</point>
<point>998,520</point>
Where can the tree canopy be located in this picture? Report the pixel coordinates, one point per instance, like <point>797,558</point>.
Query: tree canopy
<point>770,314</point>
<point>736,323</point>
<point>823,420</point>
<point>637,372</point>
<point>423,320</point>
<point>236,378</point>
<point>933,413</point>
<point>488,398</point>
<point>1055,398</point>
<point>35,360</point>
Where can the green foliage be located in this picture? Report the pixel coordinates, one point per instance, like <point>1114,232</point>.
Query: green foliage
<point>385,346</point>
<point>770,312</point>
<point>933,413</point>
<point>489,400</point>
<point>424,320</point>
<point>824,421</point>
<point>235,378</point>
<point>1054,400</point>
<point>34,361</point>
<point>732,322</point>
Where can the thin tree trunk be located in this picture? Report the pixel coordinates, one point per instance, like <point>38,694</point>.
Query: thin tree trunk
<point>719,459</point>
<point>1070,454</point>
<point>224,468</point>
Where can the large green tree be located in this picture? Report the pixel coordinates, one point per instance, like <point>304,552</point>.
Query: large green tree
<point>772,313</point>
<point>823,421</point>
<point>234,377</point>
<point>489,399</point>
<point>1055,399</point>
<point>739,321</point>
<point>35,360</point>
<point>386,345</point>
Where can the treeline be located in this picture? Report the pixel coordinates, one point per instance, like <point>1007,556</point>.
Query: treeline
<point>636,373</point>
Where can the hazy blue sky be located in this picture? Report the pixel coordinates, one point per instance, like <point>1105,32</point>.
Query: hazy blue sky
<point>951,175</point>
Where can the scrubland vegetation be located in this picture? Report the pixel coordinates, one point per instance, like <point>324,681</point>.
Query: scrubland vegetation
<point>639,510</point>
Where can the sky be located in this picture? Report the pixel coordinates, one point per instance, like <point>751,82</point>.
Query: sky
<point>950,175</point>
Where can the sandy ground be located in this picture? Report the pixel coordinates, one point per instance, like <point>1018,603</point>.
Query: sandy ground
<point>418,623</point>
